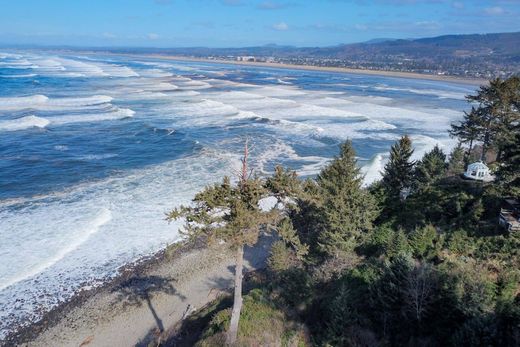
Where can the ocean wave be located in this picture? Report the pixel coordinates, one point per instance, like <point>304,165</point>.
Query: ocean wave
<point>441,94</point>
<point>92,227</point>
<point>373,170</point>
<point>120,113</point>
<point>23,123</point>
<point>42,102</point>
<point>19,76</point>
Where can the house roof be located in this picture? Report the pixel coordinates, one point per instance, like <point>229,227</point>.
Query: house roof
<point>477,166</point>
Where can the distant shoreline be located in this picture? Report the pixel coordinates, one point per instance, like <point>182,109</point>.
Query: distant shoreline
<point>397,74</point>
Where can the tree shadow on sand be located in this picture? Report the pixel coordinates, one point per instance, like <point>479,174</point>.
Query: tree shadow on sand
<point>138,290</point>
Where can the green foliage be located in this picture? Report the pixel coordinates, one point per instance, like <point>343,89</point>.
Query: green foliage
<point>469,130</point>
<point>290,237</point>
<point>493,121</point>
<point>261,324</point>
<point>422,241</point>
<point>281,257</point>
<point>380,238</point>
<point>348,210</point>
<point>432,167</point>
<point>284,184</point>
<point>295,288</point>
<point>398,172</point>
<point>397,245</point>
<point>227,212</point>
<point>460,243</point>
<point>472,289</point>
<point>509,172</point>
<point>456,162</point>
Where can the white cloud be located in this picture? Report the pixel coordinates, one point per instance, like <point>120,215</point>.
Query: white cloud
<point>152,36</point>
<point>282,26</point>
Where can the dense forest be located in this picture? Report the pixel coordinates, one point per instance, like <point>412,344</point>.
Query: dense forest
<point>416,259</point>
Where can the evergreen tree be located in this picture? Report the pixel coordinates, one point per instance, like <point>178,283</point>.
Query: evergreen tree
<point>469,130</point>
<point>232,213</point>
<point>509,172</point>
<point>456,161</point>
<point>398,172</point>
<point>495,116</point>
<point>498,105</point>
<point>431,167</point>
<point>348,210</point>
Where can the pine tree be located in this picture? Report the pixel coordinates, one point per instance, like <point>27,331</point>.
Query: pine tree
<point>492,121</point>
<point>456,163</point>
<point>231,213</point>
<point>431,167</point>
<point>469,130</point>
<point>509,172</point>
<point>498,106</point>
<point>348,210</point>
<point>398,172</point>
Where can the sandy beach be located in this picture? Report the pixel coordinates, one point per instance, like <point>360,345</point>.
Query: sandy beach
<point>397,74</point>
<point>144,303</point>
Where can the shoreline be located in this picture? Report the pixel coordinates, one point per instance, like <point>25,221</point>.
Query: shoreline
<point>383,73</point>
<point>24,334</point>
<point>145,300</point>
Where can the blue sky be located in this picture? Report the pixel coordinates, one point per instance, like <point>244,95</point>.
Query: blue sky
<point>227,23</point>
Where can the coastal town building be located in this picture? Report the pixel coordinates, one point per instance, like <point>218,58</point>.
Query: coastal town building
<point>246,58</point>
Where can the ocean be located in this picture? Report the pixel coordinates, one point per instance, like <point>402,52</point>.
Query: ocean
<point>94,149</point>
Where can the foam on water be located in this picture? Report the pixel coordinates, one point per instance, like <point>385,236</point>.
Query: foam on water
<point>43,102</point>
<point>23,123</point>
<point>19,75</point>
<point>373,170</point>
<point>58,254</point>
<point>121,113</point>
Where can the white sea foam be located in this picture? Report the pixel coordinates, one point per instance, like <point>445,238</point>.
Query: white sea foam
<point>439,93</point>
<point>23,123</point>
<point>373,170</point>
<point>121,113</point>
<point>103,217</point>
<point>42,102</point>
<point>19,76</point>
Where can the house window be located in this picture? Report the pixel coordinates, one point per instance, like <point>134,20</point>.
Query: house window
<point>473,173</point>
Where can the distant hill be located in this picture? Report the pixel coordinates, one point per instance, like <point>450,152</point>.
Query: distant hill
<point>477,55</point>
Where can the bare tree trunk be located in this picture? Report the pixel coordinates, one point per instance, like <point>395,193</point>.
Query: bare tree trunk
<point>239,265</point>
<point>237,302</point>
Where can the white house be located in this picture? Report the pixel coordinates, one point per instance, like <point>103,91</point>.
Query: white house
<point>478,171</point>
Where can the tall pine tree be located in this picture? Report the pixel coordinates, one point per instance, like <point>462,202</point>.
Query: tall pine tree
<point>398,172</point>
<point>347,210</point>
<point>232,213</point>
<point>493,119</point>
<point>469,130</point>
